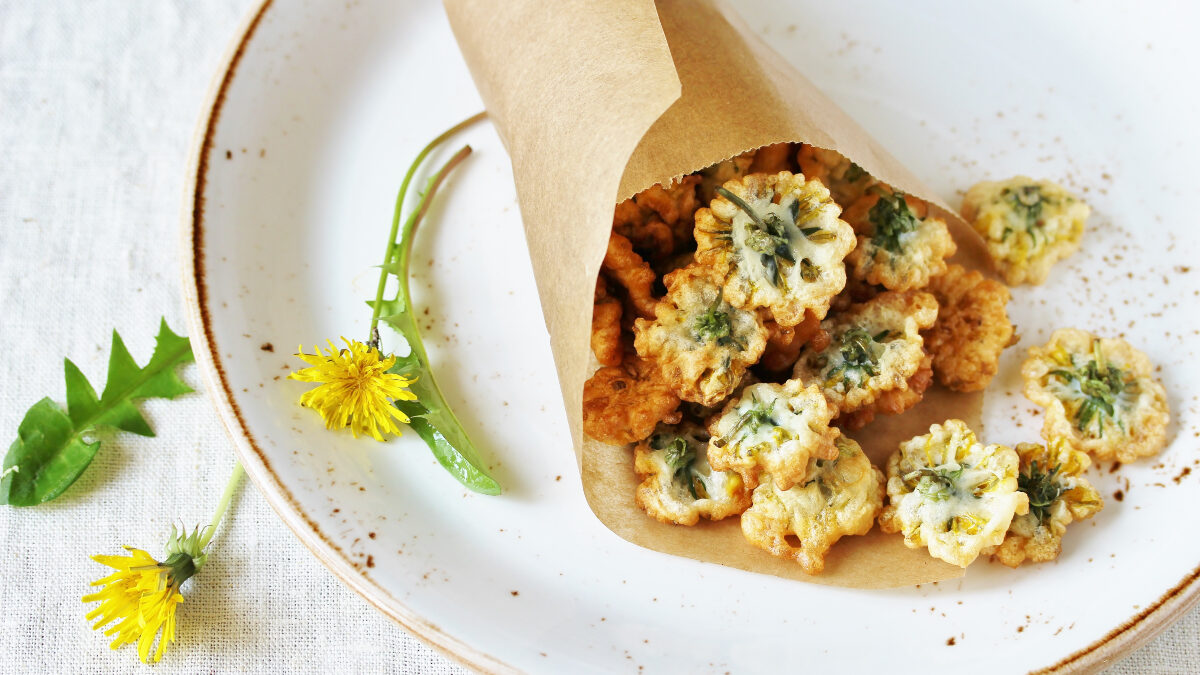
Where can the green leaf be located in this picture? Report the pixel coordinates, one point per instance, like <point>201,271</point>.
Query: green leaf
<point>82,403</point>
<point>48,456</point>
<point>388,308</point>
<point>392,268</point>
<point>446,454</point>
<point>54,447</point>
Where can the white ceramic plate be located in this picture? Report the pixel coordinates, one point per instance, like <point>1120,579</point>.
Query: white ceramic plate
<point>317,114</point>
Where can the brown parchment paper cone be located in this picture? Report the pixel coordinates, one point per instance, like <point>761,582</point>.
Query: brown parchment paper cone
<point>596,101</point>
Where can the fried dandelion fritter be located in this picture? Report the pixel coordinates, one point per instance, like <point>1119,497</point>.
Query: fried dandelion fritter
<point>702,344</point>
<point>1099,394</point>
<point>784,343</point>
<point>679,486</point>
<point>1052,478</point>
<point>772,159</point>
<point>847,181</point>
<point>875,347</point>
<point>623,404</point>
<point>734,168</point>
<point>625,267</point>
<point>1028,224</point>
<point>952,494</point>
<point>971,330</point>
<point>838,497</point>
<point>659,220</point>
<point>606,326</point>
<point>892,401</point>
<point>857,291</point>
<point>777,242</point>
<point>900,246</point>
<point>773,428</point>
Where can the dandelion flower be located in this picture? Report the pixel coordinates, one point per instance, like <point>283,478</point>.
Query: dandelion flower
<point>141,596</point>
<point>356,389</point>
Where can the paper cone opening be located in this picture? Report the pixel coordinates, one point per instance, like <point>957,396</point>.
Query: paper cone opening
<point>610,98</point>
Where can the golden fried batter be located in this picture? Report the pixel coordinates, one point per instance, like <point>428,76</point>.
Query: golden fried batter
<point>875,347</point>
<point>675,205</point>
<point>899,245</point>
<point>838,497</point>
<point>658,220</point>
<point>1099,394</point>
<point>857,291</point>
<point>679,486</point>
<point>628,269</point>
<point>893,401</point>
<point>785,342</point>
<point>606,326</point>
<point>622,404</point>
<point>734,168</point>
<point>776,242</point>
<point>1028,224</point>
<point>1058,494</point>
<point>702,344</point>
<point>972,328</point>
<point>648,234</point>
<point>847,181</point>
<point>773,428</point>
<point>952,494</point>
<point>772,159</point>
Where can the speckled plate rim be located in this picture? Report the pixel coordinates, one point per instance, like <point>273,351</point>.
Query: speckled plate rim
<point>217,386</point>
<point>1129,636</point>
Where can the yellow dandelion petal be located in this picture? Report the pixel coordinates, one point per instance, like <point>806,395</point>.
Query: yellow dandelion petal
<point>355,389</point>
<point>137,603</point>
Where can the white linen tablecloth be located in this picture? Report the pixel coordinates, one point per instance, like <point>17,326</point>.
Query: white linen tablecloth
<point>98,102</point>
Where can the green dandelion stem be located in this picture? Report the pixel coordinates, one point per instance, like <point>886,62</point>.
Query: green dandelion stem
<point>235,479</point>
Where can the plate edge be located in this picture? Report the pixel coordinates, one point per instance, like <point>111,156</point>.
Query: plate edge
<point>219,393</point>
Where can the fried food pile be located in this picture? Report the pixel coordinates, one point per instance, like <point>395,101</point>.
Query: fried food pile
<point>748,314</point>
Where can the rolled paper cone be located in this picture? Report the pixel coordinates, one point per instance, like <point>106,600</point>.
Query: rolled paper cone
<point>596,101</point>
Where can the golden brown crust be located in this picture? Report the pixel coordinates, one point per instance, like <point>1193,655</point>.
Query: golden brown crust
<point>623,404</point>
<point>734,168</point>
<point>606,332</point>
<point>900,246</point>
<point>678,484</point>
<point>838,497</point>
<point>972,328</point>
<point>625,267</point>
<point>772,158</point>
<point>776,243</point>
<point>1052,478</point>
<point>891,402</point>
<point>875,347</point>
<point>847,182</point>
<point>1028,225</point>
<point>1099,394</point>
<point>785,342</point>
<point>701,343</point>
<point>772,428</point>
<point>952,494</point>
<point>675,205</point>
<point>658,221</point>
<point>606,326</point>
